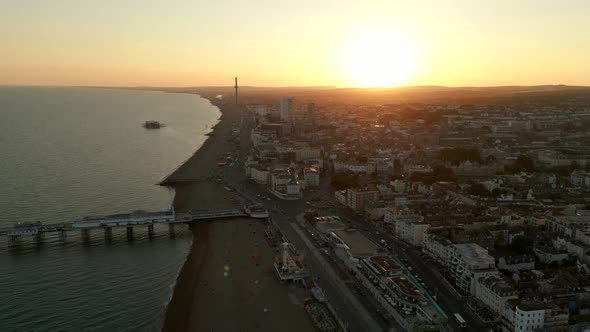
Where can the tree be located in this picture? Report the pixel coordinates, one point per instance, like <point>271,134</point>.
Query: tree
<point>521,245</point>
<point>478,189</point>
<point>342,180</point>
<point>490,159</point>
<point>497,192</point>
<point>456,156</point>
<point>439,173</point>
<point>524,163</point>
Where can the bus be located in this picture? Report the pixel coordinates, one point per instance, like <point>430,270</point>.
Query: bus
<point>460,320</point>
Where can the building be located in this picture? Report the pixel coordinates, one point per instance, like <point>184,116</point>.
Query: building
<point>284,184</point>
<point>297,152</point>
<point>549,255</point>
<point>407,226</point>
<point>516,263</point>
<point>352,246</point>
<point>468,262</point>
<point>436,247</point>
<point>399,186</point>
<point>286,109</point>
<point>259,174</point>
<point>494,291</point>
<point>580,178</point>
<point>355,167</point>
<point>340,196</point>
<point>311,177</point>
<point>358,199</point>
<point>521,316</point>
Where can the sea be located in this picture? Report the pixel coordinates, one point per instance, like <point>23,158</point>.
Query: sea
<point>67,153</point>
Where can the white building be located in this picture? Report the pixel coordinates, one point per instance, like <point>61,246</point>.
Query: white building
<point>406,225</point>
<point>399,186</point>
<point>493,291</point>
<point>523,316</point>
<point>358,199</point>
<point>340,196</point>
<point>549,255</point>
<point>355,167</point>
<point>285,185</point>
<point>436,247</point>
<point>311,177</point>
<point>259,174</point>
<point>410,230</point>
<point>287,109</point>
<point>516,263</point>
<point>468,262</point>
<point>580,178</point>
<point>395,212</point>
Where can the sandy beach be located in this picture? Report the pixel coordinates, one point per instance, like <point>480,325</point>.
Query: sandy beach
<point>228,282</point>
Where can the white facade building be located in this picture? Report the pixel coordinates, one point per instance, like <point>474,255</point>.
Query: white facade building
<point>286,108</point>
<point>411,230</point>
<point>311,177</point>
<point>467,262</point>
<point>522,317</point>
<point>516,263</point>
<point>580,178</point>
<point>366,168</point>
<point>435,247</point>
<point>358,199</point>
<point>259,174</point>
<point>494,292</point>
<point>340,196</point>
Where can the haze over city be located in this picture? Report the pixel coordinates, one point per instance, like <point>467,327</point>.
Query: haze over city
<point>295,166</point>
<point>378,43</point>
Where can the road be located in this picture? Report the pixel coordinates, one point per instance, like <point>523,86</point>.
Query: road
<point>428,271</point>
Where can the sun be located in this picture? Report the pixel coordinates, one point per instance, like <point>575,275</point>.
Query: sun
<point>378,59</point>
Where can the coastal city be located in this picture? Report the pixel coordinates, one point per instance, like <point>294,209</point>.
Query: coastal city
<point>295,166</point>
<point>423,217</point>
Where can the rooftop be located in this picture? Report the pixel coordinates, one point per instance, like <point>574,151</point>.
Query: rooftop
<point>358,244</point>
<point>473,254</point>
<point>405,286</point>
<point>497,285</point>
<point>384,263</point>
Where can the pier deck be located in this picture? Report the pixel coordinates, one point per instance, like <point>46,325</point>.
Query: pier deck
<point>129,220</point>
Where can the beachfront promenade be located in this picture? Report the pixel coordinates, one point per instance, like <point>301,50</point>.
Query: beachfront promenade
<point>128,221</point>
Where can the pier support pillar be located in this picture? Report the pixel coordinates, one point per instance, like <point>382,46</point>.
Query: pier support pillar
<point>62,235</point>
<point>12,239</point>
<point>85,234</point>
<point>130,233</point>
<point>171,230</point>
<point>108,234</point>
<point>39,236</point>
<point>151,231</point>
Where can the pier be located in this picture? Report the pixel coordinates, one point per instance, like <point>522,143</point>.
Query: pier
<point>128,221</point>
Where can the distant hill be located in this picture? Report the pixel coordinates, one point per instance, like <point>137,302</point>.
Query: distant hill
<point>410,94</point>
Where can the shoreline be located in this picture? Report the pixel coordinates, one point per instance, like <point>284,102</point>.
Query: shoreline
<point>185,180</point>
<point>228,281</point>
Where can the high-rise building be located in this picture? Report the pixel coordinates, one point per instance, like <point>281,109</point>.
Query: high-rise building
<point>287,108</point>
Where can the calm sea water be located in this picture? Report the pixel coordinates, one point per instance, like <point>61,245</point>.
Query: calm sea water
<point>66,153</point>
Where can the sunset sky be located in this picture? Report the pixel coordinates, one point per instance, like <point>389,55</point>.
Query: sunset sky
<point>288,43</point>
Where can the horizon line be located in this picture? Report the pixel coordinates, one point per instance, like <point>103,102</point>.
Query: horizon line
<point>293,86</point>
